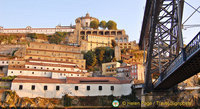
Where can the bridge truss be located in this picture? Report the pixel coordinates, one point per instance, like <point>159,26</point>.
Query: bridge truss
<point>162,35</point>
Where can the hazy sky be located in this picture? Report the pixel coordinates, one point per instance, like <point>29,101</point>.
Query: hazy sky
<point>48,13</point>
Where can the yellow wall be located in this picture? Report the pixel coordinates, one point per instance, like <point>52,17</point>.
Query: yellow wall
<point>94,41</point>
<point>111,70</point>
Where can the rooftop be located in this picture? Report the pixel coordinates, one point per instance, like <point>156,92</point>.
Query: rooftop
<point>43,70</point>
<point>71,80</point>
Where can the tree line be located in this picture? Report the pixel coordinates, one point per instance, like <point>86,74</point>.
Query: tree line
<point>56,38</point>
<point>111,25</point>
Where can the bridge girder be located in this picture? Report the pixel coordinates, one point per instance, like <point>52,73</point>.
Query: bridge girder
<point>162,37</point>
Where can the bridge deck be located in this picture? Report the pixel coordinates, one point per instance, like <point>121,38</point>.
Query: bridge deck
<point>184,66</point>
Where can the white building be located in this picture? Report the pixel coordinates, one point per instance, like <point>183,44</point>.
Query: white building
<point>28,86</point>
<point>46,69</point>
<point>29,29</point>
<point>4,62</point>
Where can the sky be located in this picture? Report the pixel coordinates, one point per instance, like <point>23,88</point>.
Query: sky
<point>48,13</point>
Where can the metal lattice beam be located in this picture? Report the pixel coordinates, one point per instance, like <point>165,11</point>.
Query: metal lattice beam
<point>165,36</point>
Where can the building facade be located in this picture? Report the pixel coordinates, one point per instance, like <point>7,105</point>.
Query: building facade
<point>128,45</point>
<point>72,86</point>
<point>110,68</point>
<point>29,29</point>
<point>94,41</point>
<point>78,32</point>
<point>54,52</point>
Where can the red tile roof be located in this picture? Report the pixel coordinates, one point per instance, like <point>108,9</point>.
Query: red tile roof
<point>34,79</point>
<point>95,80</point>
<point>66,46</point>
<point>70,80</point>
<point>54,71</point>
<point>53,51</point>
<point>64,62</point>
<point>49,56</point>
<point>52,65</point>
<point>4,59</point>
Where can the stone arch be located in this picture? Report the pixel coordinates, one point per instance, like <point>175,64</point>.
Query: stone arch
<point>120,40</point>
<point>116,39</point>
<point>107,33</point>
<point>113,32</point>
<point>88,32</point>
<point>119,32</point>
<point>100,32</point>
<point>82,32</point>
<point>125,40</point>
<point>94,32</point>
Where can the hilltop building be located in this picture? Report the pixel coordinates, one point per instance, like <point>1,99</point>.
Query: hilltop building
<point>77,32</point>
<point>29,29</point>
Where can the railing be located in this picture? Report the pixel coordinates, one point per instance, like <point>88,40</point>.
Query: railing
<point>193,45</point>
<point>191,48</point>
<point>175,63</point>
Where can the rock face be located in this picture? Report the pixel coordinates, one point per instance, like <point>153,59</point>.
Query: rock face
<point>13,100</point>
<point>9,50</point>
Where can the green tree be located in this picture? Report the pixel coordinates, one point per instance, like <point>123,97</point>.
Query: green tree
<point>94,24</point>
<point>104,54</point>
<point>58,37</point>
<point>100,54</point>
<point>62,34</point>
<point>32,35</point>
<point>91,60</point>
<point>113,43</point>
<point>103,24</point>
<point>109,54</point>
<point>111,25</point>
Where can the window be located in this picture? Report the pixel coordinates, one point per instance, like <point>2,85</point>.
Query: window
<point>100,87</point>
<point>45,87</point>
<point>20,87</point>
<point>34,67</point>
<point>88,87</point>
<point>57,87</point>
<point>20,71</point>
<point>111,87</point>
<point>33,87</point>
<point>76,87</point>
<point>60,74</point>
<point>53,68</point>
<point>11,71</point>
<point>32,72</point>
